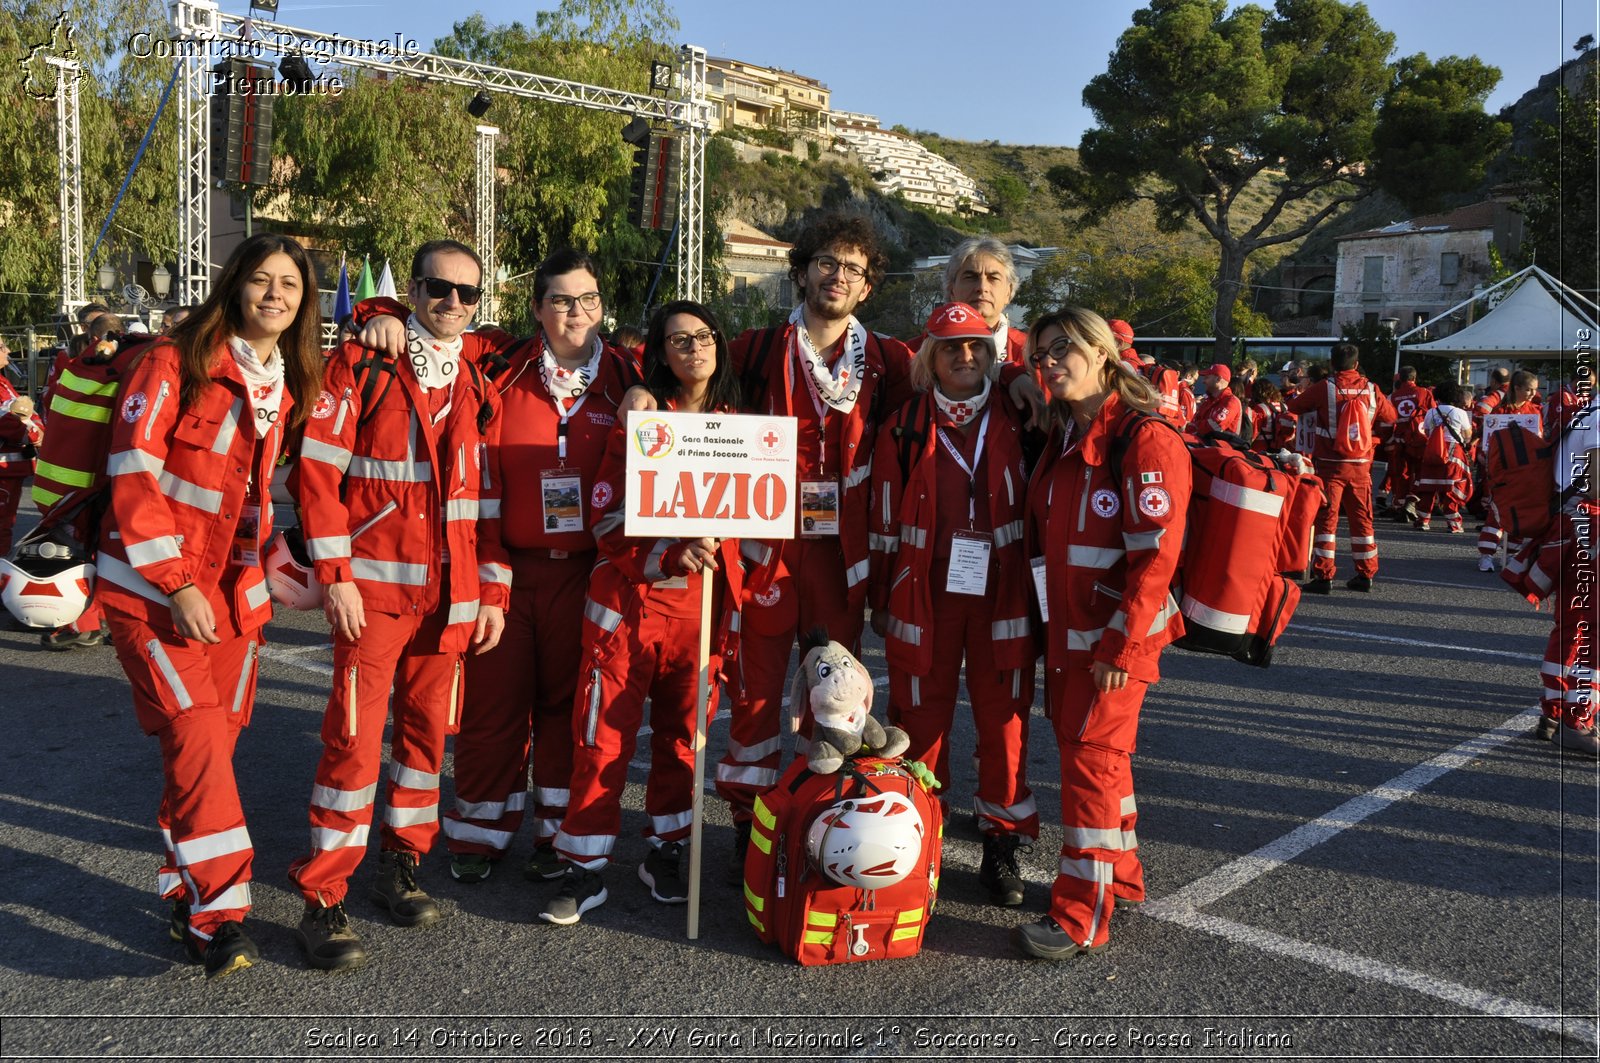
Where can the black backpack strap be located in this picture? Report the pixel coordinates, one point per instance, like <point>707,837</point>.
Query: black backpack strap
<point>754,378</point>
<point>372,369</point>
<point>485,408</point>
<point>909,440</point>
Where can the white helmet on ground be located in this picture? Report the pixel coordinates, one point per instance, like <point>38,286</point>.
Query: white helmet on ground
<point>868,842</point>
<point>47,580</point>
<point>289,574</point>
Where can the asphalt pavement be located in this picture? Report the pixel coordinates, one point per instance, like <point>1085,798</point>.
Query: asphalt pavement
<point>1358,853</point>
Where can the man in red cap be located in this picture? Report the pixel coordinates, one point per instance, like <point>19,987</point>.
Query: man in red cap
<point>1220,410</point>
<point>1124,336</point>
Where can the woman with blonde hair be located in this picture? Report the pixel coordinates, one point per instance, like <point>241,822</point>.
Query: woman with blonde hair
<point>1105,522</point>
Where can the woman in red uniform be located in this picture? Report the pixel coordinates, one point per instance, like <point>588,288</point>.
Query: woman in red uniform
<point>201,425</point>
<point>1106,514</point>
<point>949,579</point>
<point>1522,399</point>
<point>641,638</point>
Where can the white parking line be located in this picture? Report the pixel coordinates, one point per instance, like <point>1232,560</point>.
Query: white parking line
<point>1392,641</point>
<point>1437,583</point>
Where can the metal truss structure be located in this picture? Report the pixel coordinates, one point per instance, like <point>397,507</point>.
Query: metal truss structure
<point>69,143</point>
<point>200,25</point>
<point>483,220</point>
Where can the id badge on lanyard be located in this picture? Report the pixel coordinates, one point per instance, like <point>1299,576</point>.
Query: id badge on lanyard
<point>561,490</point>
<point>1037,564</point>
<point>245,550</point>
<point>819,508</point>
<point>969,563</point>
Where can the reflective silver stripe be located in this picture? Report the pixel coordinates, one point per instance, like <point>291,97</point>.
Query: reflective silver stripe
<point>586,846</point>
<point>455,830</point>
<point>1129,806</point>
<point>1320,538</point>
<point>211,846</point>
<point>489,572</point>
<point>244,676</point>
<point>751,776</point>
<point>389,572</point>
<point>1362,540</point>
<point>652,564</point>
<point>759,751</point>
<point>462,612</point>
<point>1007,534</point>
<point>1087,869</point>
<point>886,544</point>
<point>403,471</point>
<point>1168,611</point>
<point>1216,619</point>
<point>258,593</point>
<point>755,550</point>
<point>907,633</point>
<point>1021,810</point>
<point>492,809</point>
<point>1093,556</point>
<point>181,490</point>
<point>1014,628</point>
<point>916,690</point>
<point>1362,555</point>
<point>1242,497</point>
<point>366,525</point>
<point>411,778</point>
<point>400,816</point>
<point>856,477</point>
<point>1083,640</point>
<point>667,824</point>
<point>328,547</point>
<point>461,509</point>
<point>912,535</point>
<point>552,797</point>
<point>488,509</point>
<point>327,453</point>
<point>326,839</point>
<point>115,570</point>
<point>1149,540</point>
<point>735,623</point>
<point>1093,838</point>
<point>229,429</point>
<point>343,800</point>
<point>1130,841</point>
<point>149,552</point>
<point>1541,579</point>
<point>609,522</point>
<point>235,896</point>
<point>168,881</point>
<point>1320,552</point>
<point>600,616</point>
<point>158,656</point>
<point>856,573</point>
<point>131,462</point>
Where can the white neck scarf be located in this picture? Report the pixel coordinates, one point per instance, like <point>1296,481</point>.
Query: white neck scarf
<point>840,386</point>
<point>434,361</point>
<point>263,383</point>
<point>962,411</point>
<point>566,384</point>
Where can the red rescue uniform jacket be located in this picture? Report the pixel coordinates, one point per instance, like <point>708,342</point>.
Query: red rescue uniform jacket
<point>1219,413</point>
<point>1322,401</point>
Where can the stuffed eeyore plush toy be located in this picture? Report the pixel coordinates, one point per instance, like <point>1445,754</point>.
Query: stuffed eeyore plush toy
<point>837,690</point>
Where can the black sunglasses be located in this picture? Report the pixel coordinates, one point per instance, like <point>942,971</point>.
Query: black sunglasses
<point>441,289</point>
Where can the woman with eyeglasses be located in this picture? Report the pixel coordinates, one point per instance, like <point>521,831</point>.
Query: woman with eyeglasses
<point>200,427</point>
<point>949,578</point>
<point>641,638</point>
<point>1105,524</point>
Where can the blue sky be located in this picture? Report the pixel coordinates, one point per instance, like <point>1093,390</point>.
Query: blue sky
<point>1020,80</point>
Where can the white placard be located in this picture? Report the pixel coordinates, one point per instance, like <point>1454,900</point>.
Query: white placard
<point>1493,422</point>
<point>698,474</point>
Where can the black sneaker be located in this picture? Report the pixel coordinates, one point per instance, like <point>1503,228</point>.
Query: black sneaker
<point>1123,903</point>
<point>662,871</point>
<point>733,874</point>
<point>327,939</point>
<point>544,864</point>
<point>395,890</point>
<point>65,638</point>
<point>178,921</point>
<point>470,867</point>
<point>581,890</point>
<point>1046,940</point>
<point>230,949</point>
<point>1360,583</point>
<point>1546,728</point>
<point>1318,586</point>
<point>999,872</point>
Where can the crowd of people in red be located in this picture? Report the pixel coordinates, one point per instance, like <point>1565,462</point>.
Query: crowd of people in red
<point>984,497</point>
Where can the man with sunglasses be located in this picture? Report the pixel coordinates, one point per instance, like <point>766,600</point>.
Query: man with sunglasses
<point>399,490</point>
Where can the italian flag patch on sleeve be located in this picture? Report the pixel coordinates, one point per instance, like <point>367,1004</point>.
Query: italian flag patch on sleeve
<point>1150,477</point>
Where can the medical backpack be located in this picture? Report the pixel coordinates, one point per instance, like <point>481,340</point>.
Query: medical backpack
<point>810,917</point>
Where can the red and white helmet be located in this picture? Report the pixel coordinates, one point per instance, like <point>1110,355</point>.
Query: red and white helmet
<point>868,842</point>
<point>289,576</point>
<point>47,581</point>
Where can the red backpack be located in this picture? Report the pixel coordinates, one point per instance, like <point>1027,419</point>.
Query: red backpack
<point>1350,414</point>
<point>1521,479</point>
<point>1408,428</point>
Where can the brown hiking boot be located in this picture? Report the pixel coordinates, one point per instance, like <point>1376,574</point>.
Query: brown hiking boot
<point>395,890</point>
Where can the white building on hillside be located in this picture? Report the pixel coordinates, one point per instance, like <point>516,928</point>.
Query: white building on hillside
<point>901,164</point>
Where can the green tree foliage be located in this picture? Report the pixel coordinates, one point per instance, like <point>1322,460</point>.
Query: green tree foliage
<point>1198,103</point>
<point>1561,180</point>
<point>117,96</point>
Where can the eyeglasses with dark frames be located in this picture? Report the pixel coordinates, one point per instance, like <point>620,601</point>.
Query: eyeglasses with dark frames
<point>827,265</point>
<point>1056,352</point>
<point>684,342</point>
<point>563,304</point>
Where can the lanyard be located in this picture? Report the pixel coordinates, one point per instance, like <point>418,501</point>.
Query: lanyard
<point>561,428</point>
<point>972,470</point>
<point>791,361</point>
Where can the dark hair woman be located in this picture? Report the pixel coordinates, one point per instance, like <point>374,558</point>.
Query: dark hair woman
<point>201,425</point>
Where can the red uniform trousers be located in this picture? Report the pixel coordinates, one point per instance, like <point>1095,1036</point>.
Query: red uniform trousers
<point>195,699</point>
<point>925,707</point>
<point>1349,488</point>
<point>659,659</point>
<point>519,703</point>
<point>1403,465</point>
<point>427,690</point>
<point>1568,674</point>
<point>1490,536</point>
<point>812,593</point>
<point>11,491</point>
<point>1444,500</point>
<point>1096,734</point>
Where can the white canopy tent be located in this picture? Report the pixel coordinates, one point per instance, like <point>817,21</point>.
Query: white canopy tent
<point>1539,318</point>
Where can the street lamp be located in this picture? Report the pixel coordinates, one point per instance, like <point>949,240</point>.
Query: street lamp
<point>161,281</point>
<point>105,278</point>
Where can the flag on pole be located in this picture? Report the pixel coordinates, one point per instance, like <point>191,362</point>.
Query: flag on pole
<point>386,282</point>
<point>342,304</point>
<point>365,289</point>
